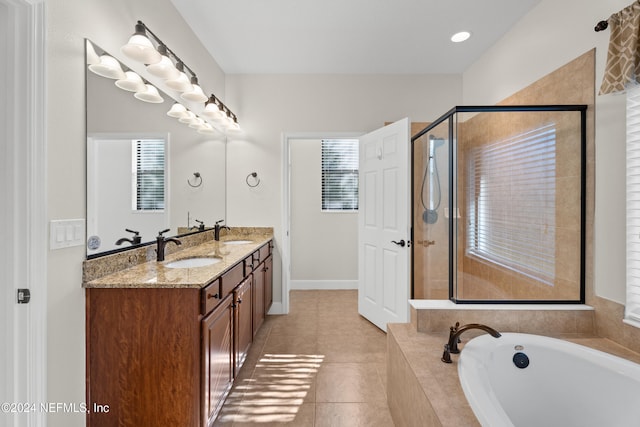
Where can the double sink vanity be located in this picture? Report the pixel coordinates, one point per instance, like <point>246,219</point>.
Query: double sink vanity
<point>165,340</point>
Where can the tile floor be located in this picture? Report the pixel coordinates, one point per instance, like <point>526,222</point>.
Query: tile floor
<point>320,365</point>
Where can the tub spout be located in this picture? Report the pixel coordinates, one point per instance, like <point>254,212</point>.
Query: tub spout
<point>454,338</point>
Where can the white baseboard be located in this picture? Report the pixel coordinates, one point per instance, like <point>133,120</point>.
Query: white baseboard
<point>323,284</point>
<point>276,308</point>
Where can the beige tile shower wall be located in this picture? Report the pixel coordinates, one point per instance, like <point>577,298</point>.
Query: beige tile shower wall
<point>430,261</point>
<point>571,84</point>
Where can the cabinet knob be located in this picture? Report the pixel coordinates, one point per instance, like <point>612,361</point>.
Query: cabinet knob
<point>209,296</point>
<point>239,300</point>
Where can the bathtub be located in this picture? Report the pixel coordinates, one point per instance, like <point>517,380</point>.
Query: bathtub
<point>527,380</point>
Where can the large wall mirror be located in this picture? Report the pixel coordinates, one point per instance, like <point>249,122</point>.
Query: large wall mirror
<point>146,171</point>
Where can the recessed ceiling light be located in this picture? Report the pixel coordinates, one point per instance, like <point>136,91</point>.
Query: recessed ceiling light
<point>460,37</point>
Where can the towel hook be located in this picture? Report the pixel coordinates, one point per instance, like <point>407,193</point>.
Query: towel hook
<point>253,175</point>
<point>197,180</point>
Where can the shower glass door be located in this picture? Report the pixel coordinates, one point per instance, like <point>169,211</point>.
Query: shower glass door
<point>499,205</point>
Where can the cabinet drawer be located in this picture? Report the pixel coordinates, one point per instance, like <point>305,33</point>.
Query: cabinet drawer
<point>264,250</point>
<point>250,263</point>
<point>232,278</point>
<point>211,296</point>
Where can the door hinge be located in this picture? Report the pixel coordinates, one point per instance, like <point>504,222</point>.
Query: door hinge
<point>24,295</point>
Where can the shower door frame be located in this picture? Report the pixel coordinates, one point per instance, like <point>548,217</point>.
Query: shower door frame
<point>449,115</point>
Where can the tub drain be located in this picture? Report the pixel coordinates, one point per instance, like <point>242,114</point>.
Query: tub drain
<point>521,360</point>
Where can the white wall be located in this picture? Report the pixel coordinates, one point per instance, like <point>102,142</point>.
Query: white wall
<point>318,239</point>
<point>270,105</point>
<point>552,34</point>
<point>109,24</point>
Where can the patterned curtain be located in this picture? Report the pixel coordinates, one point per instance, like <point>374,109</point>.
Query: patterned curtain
<point>623,58</point>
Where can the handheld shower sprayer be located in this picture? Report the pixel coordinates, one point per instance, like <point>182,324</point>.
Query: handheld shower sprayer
<point>430,214</point>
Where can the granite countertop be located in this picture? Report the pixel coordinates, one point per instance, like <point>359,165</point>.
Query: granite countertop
<point>155,274</point>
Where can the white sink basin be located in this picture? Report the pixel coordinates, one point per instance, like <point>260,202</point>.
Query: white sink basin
<point>193,262</point>
<point>237,242</point>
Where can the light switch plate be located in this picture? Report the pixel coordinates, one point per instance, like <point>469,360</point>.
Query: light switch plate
<point>66,233</point>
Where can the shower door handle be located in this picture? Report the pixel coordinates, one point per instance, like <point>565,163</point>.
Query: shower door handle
<point>400,243</point>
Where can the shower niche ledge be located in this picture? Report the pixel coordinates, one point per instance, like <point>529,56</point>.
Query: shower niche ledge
<point>562,320</point>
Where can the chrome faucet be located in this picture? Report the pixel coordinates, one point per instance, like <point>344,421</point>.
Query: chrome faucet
<point>454,338</point>
<point>162,242</point>
<point>217,228</point>
<point>136,239</point>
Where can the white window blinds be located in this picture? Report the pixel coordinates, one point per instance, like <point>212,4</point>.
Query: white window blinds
<point>340,175</point>
<point>511,189</point>
<point>632,309</point>
<point>148,174</point>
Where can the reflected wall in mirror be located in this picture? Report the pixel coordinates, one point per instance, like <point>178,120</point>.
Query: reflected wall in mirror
<point>140,168</point>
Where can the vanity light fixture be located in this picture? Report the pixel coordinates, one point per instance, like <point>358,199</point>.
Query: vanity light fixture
<point>188,117</point>
<point>132,82</point>
<point>108,67</point>
<point>146,47</point>
<point>140,47</point>
<point>196,94</point>
<point>211,109</point>
<point>460,37</point>
<point>177,110</point>
<point>165,68</point>
<point>149,94</point>
<point>180,83</point>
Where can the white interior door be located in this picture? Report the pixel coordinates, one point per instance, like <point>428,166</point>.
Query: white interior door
<point>383,220</point>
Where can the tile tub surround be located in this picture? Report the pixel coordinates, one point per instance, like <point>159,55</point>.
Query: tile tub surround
<point>423,391</point>
<point>138,268</point>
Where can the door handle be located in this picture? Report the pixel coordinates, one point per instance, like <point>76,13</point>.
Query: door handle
<point>400,243</point>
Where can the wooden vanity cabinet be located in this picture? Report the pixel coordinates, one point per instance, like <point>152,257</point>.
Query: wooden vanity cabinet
<point>217,358</point>
<point>168,357</point>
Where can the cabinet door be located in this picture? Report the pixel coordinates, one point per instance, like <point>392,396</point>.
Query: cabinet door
<point>243,318</point>
<point>268,284</point>
<point>258,299</point>
<point>217,358</point>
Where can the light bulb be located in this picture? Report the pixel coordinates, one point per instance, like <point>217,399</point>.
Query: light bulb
<point>140,47</point>
<point>132,82</point>
<point>149,94</point>
<point>108,67</point>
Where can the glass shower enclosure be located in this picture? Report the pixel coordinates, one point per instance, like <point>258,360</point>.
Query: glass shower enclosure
<point>498,205</point>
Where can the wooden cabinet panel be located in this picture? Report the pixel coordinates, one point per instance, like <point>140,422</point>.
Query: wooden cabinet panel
<point>268,283</point>
<point>217,358</point>
<point>243,322</point>
<point>258,300</point>
<point>142,357</point>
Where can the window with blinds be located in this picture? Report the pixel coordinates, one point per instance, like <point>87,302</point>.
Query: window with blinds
<point>340,174</point>
<point>632,308</point>
<point>148,174</point>
<point>512,203</point>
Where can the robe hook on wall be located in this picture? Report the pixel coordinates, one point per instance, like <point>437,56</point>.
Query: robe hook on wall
<point>197,181</point>
<point>256,180</point>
